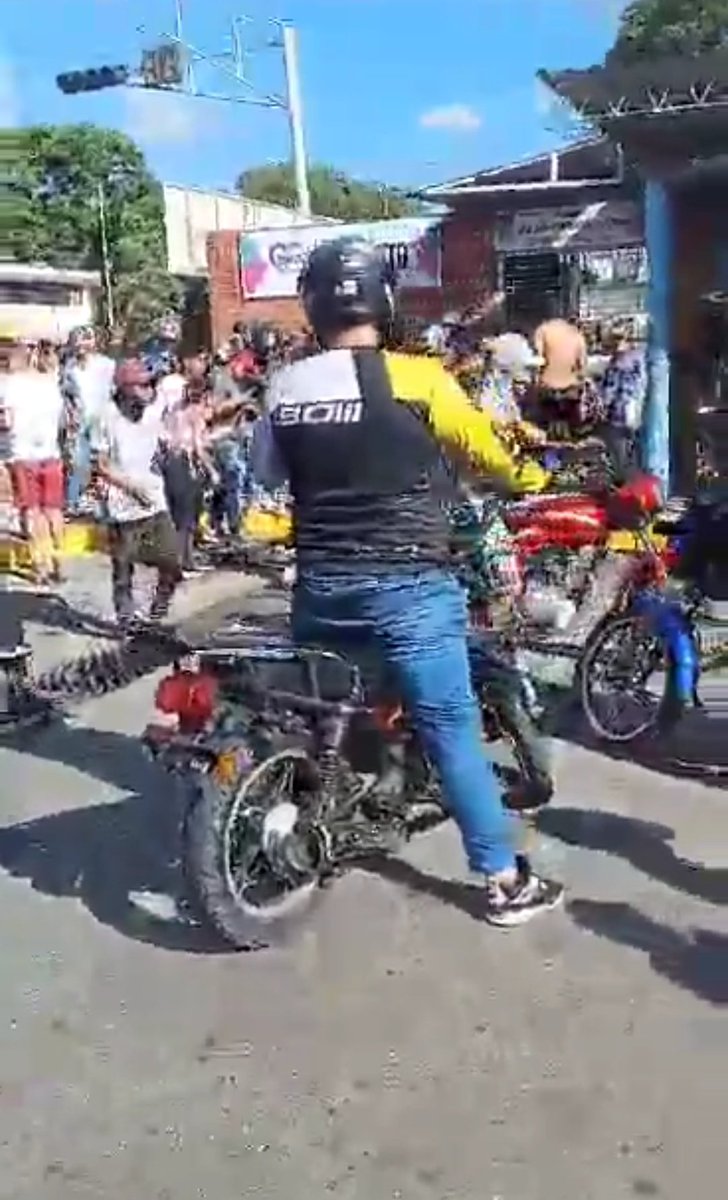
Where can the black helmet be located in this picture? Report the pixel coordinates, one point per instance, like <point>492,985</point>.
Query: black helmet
<point>347,283</point>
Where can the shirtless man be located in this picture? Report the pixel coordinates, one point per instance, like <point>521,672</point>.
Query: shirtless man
<point>563,351</point>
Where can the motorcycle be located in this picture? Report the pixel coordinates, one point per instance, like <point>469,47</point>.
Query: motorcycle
<point>544,567</point>
<point>565,576</point>
<point>668,631</point>
<point>296,761</point>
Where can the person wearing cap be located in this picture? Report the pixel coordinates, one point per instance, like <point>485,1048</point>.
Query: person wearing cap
<point>126,443</point>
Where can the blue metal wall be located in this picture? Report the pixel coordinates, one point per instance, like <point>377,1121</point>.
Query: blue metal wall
<point>659,236</point>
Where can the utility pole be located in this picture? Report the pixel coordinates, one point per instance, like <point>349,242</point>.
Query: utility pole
<point>105,260</point>
<point>188,79</point>
<point>295,116</point>
<point>170,66</point>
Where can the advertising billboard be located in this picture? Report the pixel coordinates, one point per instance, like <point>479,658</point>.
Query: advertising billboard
<point>271,259</point>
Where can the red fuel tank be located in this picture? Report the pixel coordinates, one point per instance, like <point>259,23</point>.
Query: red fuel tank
<point>571,521</point>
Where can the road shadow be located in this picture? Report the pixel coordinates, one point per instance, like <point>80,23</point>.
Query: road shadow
<point>696,749</point>
<point>696,960</point>
<point>643,844</point>
<point>117,859</point>
<point>107,755</point>
<point>53,611</point>
<point>467,897</point>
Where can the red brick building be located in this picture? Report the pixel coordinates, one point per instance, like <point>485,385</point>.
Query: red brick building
<point>515,227</point>
<point>467,276</point>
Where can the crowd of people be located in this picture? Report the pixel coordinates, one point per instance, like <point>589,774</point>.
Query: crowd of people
<point>74,422</point>
<point>154,444</point>
<point>555,375</point>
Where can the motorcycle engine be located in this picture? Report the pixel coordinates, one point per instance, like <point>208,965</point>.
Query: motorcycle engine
<point>555,584</point>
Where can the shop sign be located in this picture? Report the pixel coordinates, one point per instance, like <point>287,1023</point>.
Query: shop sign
<point>605,225</point>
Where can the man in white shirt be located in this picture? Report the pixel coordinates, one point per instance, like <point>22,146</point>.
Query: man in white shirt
<point>33,405</point>
<point>171,387</point>
<point>88,379</point>
<point>125,448</point>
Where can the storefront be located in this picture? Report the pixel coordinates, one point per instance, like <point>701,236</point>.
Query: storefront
<point>565,227</point>
<point>670,117</point>
<point>44,302</point>
<point>588,258</point>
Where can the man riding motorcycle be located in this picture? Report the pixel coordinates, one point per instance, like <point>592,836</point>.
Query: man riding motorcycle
<point>359,434</point>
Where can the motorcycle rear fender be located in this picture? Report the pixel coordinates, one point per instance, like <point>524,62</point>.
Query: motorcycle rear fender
<point>674,628</point>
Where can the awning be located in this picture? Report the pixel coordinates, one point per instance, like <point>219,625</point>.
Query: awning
<point>592,163</point>
<point>674,106</point>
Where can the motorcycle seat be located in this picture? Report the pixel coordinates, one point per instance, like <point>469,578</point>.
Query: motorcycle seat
<point>272,660</point>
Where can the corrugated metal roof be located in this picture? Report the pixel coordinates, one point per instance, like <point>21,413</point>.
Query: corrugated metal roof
<point>594,159</point>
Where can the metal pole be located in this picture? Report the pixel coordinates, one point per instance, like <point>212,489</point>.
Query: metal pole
<point>295,116</point>
<point>655,433</point>
<point>237,46</point>
<point>105,261</point>
<point>189,81</point>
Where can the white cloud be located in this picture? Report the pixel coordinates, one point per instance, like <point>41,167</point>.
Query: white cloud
<point>9,97</point>
<point>458,118</point>
<point>159,118</point>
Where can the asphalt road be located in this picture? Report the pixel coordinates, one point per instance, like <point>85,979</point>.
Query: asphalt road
<point>399,1048</point>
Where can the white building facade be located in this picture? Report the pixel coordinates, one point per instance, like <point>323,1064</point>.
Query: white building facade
<point>45,302</point>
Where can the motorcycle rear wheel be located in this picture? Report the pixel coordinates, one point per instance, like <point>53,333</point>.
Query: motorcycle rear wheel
<point>227,868</point>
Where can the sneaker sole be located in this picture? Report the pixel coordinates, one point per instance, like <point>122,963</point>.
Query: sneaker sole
<point>512,918</point>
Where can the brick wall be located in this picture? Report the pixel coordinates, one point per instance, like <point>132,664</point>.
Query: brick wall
<point>467,276</point>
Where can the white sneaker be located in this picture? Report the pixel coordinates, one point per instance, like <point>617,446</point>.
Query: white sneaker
<point>529,896</point>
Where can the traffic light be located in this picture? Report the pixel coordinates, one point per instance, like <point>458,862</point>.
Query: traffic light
<point>93,80</point>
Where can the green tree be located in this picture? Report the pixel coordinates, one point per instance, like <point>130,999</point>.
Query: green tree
<point>333,194</point>
<point>650,28</point>
<point>59,176</point>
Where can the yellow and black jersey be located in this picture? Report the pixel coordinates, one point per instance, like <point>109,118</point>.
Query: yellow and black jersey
<point>362,436</point>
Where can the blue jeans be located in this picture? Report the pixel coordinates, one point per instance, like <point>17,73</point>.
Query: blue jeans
<point>229,498</point>
<point>80,475</point>
<point>419,623</point>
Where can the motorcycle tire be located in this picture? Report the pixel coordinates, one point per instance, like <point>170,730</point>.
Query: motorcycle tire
<point>209,814</point>
<point>668,709</point>
<point>533,785</point>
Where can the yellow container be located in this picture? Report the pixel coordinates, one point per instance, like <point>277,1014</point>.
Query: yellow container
<point>265,526</point>
<point>80,538</point>
<point>624,540</point>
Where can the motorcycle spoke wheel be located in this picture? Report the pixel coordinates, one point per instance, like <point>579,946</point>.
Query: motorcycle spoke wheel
<point>255,878</point>
<point>623,681</point>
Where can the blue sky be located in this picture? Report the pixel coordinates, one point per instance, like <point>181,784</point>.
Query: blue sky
<point>407,91</point>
